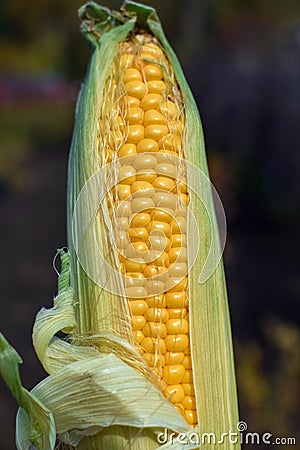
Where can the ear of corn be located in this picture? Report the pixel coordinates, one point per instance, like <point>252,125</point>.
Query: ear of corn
<point>149,342</point>
<point>40,428</point>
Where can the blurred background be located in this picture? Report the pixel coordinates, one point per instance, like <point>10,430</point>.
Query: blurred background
<point>242,60</point>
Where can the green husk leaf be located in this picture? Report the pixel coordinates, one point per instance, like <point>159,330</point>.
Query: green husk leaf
<point>40,427</point>
<point>95,393</point>
<point>93,303</point>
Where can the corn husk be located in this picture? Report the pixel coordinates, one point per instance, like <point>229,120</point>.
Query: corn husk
<point>100,393</point>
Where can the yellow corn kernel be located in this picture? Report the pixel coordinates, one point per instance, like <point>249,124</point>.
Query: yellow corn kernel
<point>159,272</point>
<point>178,254</point>
<point>151,101</point>
<point>153,50</point>
<point>161,227</point>
<point>173,374</point>
<point>135,133</point>
<point>127,150</point>
<point>123,209</point>
<point>145,57</point>
<point>135,249</point>
<point>165,183</point>
<point>136,89</point>
<point>132,75</point>
<point>154,329</point>
<point>138,323</point>
<point>177,313</point>
<point>147,145</point>
<point>188,377</point>
<point>156,301</point>
<point>154,286</point>
<point>178,270</point>
<point>170,142</point>
<point>156,131</point>
<point>191,416</point>
<point>174,358</point>
<point>188,388</point>
<point>166,169</point>
<point>178,240</point>
<point>157,315</point>
<point>187,363</point>
<point>152,72</point>
<point>127,174</point>
<point>165,200</point>
<point>178,225</point>
<point>142,204</point>
<point>136,292</point>
<point>123,191</point>
<point>144,161</point>
<point>176,284</point>
<point>159,242</point>
<point>146,175</point>
<point>152,116</point>
<point>137,234</point>
<point>142,189</point>
<point>177,343</point>
<point>134,279</point>
<point>156,87</point>
<point>135,116</point>
<point>177,326</point>
<point>134,266</point>
<point>154,345</point>
<point>162,215</point>
<point>176,393</point>
<point>131,102</point>
<point>169,109</point>
<point>141,220</point>
<point>176,299</point>
<point>138,336</point>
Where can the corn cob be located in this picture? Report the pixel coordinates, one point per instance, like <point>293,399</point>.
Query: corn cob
<point>143,137</point>
<point>129,294</point>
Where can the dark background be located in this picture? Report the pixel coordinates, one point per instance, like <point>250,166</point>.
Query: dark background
<point>242,60</point>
